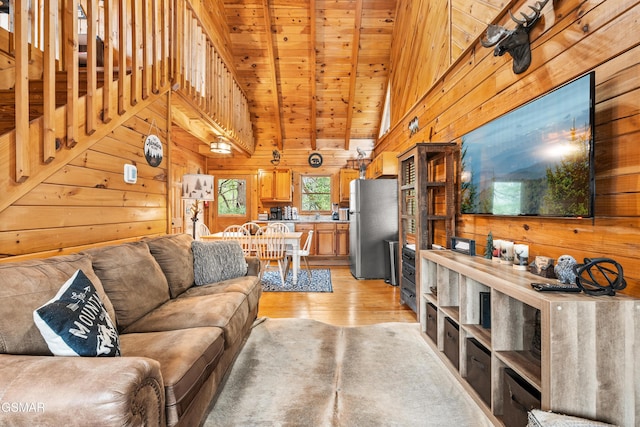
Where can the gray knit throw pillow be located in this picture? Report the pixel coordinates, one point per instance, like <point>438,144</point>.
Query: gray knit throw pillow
<point>217,261</point>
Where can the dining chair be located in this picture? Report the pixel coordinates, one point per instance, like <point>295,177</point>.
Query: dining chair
<point>202,230</point>
<point>252,227</point>
<point>303,252</point>
<point>271,247</point>
<point>277,227</point>
<point>241,234</point>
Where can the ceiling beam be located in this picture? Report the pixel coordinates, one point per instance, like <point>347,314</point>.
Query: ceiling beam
<point>355,48</point>
<point>312,70</point>
<point>273,73</point>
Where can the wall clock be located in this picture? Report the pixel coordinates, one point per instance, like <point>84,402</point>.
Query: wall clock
<point>315,160</point>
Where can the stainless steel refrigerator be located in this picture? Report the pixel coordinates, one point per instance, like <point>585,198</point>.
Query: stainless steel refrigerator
<point>373,218</point>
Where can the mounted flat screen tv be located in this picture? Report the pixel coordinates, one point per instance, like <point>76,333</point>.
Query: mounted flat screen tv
<point>536,159</point>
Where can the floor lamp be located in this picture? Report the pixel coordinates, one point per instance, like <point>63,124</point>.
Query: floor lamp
<point>197,187</point>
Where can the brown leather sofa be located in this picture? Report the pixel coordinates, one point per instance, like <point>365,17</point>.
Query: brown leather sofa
<point>177,340</point>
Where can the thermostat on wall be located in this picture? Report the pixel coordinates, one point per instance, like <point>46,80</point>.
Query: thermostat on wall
<point>130,174</point>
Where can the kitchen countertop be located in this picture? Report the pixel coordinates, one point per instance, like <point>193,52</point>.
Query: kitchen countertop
<point>304,220</point>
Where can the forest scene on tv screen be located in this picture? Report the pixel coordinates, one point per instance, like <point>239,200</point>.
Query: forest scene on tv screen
<point>535,160</point>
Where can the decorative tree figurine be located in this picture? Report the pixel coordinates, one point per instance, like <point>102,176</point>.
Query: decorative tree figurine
<point>488,251</point>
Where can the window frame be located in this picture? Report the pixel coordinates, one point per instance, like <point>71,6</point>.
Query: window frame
<point>217,201</point>
<point>302,193</point>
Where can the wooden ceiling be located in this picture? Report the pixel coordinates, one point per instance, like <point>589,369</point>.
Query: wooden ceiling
<point>315,71</point>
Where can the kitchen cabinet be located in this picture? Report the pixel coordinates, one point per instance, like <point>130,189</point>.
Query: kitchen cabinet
<point>326,238</point>
<point>275,185</point>
<point>342,239</point>
<point>384,165</point>
<point>346,176</point>
<point>329,238</point>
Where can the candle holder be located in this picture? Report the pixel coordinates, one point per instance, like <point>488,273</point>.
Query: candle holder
<point>521,257</point>
<point>506,252</point>
<point>495,253</point>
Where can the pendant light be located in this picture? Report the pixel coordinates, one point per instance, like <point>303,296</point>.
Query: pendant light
<point>221,145</point>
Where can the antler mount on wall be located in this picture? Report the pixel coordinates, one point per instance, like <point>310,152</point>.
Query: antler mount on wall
<point>515,42</point>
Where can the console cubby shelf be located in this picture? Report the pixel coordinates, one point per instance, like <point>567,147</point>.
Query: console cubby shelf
<point>577,350</point>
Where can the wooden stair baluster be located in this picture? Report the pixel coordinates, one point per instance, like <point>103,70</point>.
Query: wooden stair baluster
<point>49,78</point>
<point>70,32</point>
<point>23,169</point>
<point>108,62</point>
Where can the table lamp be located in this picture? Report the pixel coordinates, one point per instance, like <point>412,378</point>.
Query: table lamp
<point>197,187</point>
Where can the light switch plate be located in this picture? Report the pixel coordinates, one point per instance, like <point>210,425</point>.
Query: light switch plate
<point>130,174</point>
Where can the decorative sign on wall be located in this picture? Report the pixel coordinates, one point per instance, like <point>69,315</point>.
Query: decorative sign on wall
<point>414,126</point>
<point>153,147</point>
<point>315,160</point>
<point>276,157</point>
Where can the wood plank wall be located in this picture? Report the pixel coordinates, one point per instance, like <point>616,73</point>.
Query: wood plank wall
<point>87,202</point>
<point>184,159</point>
<point>478,87</point>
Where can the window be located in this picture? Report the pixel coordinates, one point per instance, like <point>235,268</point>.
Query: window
<point>316,193</point>
<point>385,122</point>
<point>232,197</point>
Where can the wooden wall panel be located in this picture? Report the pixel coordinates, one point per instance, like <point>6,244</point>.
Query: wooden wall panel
<point>184,159</point>
<point>414,58</point>
<point>584,36</point>
<point>430,36</point>
<point>87,202</point>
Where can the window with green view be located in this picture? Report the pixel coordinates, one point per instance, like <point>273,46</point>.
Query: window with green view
<point>232,197</point>
<point>316,193</point>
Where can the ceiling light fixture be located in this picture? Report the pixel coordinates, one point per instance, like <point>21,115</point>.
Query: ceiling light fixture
<point>221,146</point>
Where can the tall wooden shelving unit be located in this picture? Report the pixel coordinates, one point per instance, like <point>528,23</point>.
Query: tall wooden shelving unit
<point>427,202</point>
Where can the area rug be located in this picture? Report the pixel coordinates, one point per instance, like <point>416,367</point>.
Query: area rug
<point>301,372</point>
<point>320,281</point>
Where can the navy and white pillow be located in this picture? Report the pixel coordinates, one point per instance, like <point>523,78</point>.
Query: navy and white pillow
<point>75,322</point>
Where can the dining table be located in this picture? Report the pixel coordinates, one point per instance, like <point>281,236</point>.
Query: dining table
<point>291,238</point>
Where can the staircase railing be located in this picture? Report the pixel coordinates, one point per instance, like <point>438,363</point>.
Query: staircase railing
<point>134,49</point>
<point>125,74</point>
<point>205,80</point>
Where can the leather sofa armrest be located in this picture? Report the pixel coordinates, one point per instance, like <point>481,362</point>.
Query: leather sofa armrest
<point>253,265</point>
<point>80,391</point>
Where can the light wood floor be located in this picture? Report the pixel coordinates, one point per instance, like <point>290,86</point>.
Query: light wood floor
<point>352,303</point>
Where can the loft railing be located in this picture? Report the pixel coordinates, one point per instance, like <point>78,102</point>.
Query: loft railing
<point>125,75</point>
<point>205,80</point>
<point>134,48</point>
